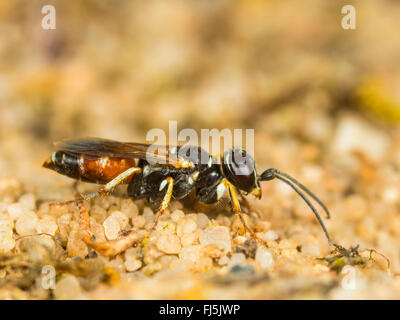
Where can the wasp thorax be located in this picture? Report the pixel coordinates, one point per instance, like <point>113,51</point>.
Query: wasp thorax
<point>239,168</point>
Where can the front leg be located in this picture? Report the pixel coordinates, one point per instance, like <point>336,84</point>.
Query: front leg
<point>166,200</point>
<point>236,205</point>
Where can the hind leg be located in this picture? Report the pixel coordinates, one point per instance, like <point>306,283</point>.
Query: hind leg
<point>106,189</point>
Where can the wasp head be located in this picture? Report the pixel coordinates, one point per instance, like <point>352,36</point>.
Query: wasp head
<point>239,168</point>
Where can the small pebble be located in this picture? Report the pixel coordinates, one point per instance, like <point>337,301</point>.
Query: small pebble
<point>176,205</point>
<point>6,221</point>
<point>151,253</point>
<point>138,222</point>
<point>192,216</point>
<point>311,249</point>
<point>112,228</point>
<point>289,253</point>
<point>7,242</point>
<point>217,235</point>
<point>262,226</point>
<point>99,213</point>
<point>189,238</point>
<point>64,219</point>
<point>212,251</point>
<point>63,226</point>
<point>185,226</point>
<point>10,186</point>
<point>190,254</point>
<point>239,239</point>
<point>129,208</point>
<point>288,244</point>
<point>237,259</point>
<point>45,241</point>
<point>223,261</point>
<point>44,208</point>
<point>169,261</point>
<point>223,220</point>
<point>367,229</point>
<point>148,214</point>
<point>131,253</point>
<point>390,195</point>
<point>192,258</point>
<point>353,134</point>
<point>16,210</point>
<point>355,207</point>
<point>264,258</point>
<point>55,211</point>
<point>202,220</point>
<point>97,230</point>
<point>68,288</point>
<point>271,235</point>
<point>177,215</point>
<point>26,224</point>
<point>133,265</point>
<point>75,246</point>
<point>122,219</point>
<point>4,207</point>
<point>47,225</point>
<point>131,261</point>
<point>28,201</point>
<point>394,225</point>
<point>117,264</point>
<point>169,243</point>
<point>108,202</point>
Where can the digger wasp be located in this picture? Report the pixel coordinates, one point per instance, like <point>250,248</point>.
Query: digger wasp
<point>162,173</point>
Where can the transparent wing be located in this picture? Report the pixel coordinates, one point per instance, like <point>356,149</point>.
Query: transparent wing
<point>111,148</point>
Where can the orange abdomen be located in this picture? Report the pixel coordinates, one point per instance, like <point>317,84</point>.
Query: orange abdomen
<point>104,169</point>
<point>89,168</point>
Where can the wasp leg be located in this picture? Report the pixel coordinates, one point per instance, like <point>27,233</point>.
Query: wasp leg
<point>166,200</point>
<point>107,248</point>
<point>106,189</point>
<point>237,209</point>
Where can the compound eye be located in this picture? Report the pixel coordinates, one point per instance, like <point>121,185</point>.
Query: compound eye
<point>239,168</point>
<point>241,163</point>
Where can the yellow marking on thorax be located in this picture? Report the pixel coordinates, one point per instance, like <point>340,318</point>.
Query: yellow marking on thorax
<point>183,164</point>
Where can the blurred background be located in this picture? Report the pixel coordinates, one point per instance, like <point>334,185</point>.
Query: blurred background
<point>324,101</point>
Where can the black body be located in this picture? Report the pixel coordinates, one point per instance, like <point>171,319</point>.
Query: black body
<point>204,178</point>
